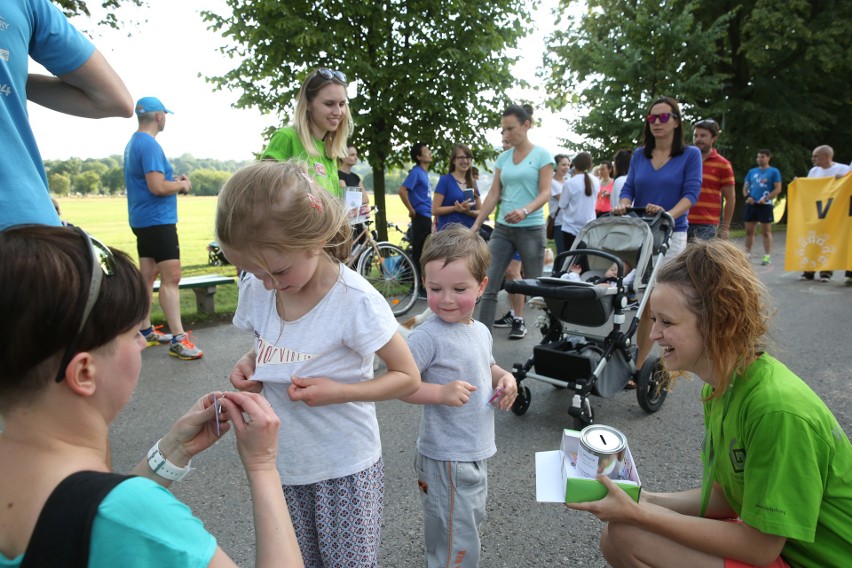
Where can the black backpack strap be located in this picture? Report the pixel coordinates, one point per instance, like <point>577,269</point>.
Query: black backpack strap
<point>63,530</point>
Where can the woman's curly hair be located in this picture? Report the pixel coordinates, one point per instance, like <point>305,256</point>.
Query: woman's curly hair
<point>729,300</point>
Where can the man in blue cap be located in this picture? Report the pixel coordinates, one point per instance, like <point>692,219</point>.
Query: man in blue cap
<point>152,192</point>
<point>83,84</point>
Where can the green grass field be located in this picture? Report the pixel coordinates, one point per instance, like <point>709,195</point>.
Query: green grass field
<point>106,219</point>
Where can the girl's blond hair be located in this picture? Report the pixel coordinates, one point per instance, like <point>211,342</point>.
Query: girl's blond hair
<point>729,300</point>
<point>277,205</point>
<point>336,143</point>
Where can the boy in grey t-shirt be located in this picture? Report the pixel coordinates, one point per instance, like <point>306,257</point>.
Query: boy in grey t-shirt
<point>453,353</point>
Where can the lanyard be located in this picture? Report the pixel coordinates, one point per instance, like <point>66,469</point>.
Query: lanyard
<point>708,456</point>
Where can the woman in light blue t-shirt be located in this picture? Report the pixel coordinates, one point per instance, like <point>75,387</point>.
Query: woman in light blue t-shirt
<point>521,186</point>
<point>68,370</point>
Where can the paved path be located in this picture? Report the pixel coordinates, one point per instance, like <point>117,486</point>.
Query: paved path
<point>811,332</point>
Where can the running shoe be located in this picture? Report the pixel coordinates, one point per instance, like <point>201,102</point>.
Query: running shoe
<point>824,276</point>
<point>518,329</point>
<point>806,276</point>
<point>505,321</point>
<point>183,348</point>
<point>156,337</point>
<point>766,260</point>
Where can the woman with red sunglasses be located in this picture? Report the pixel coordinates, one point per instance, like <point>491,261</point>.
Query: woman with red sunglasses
<point>664,175</point>
<point>321,127</point>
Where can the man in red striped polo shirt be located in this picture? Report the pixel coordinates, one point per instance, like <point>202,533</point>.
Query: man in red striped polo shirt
<point>717,183</point>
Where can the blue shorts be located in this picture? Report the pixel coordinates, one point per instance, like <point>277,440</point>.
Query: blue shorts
<point>759,213</point>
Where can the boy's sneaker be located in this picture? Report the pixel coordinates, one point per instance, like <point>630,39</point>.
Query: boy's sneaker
<point>156,337</point>
<point>766,260</point>
<point>518,329</point>
<point>505,321</point>
<point>183,348</point>
<point>806,276</point>
<point>825,276</point>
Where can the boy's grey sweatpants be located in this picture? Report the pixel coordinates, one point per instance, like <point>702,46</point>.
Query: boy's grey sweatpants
<point>454,496</point>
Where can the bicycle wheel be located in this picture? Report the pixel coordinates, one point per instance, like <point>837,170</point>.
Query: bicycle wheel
<point>391,272</point>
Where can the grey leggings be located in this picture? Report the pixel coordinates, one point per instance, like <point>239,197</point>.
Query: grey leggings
<point>505,240</point>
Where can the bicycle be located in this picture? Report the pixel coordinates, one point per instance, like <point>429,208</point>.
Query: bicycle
<point>384,265</point>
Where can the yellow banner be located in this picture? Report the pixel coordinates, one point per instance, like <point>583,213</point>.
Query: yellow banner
<point>819,224</point>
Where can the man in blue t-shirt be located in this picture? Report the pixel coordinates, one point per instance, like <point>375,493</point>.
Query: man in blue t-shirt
<point>152,205</point>
<point>414,193</point>
<point>84,85</point>
<point>761,185</point>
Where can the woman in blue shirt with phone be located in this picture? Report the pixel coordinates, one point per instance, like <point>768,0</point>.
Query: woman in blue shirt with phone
<point>456,199</point>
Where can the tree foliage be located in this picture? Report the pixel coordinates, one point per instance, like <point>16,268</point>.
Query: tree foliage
<point>207,181</point>
<point>106,175</point>
<point>773,73</point>
<point>425,70</point>
<point>86,183</point>
<point>59,184</point>
<point>81,7</point>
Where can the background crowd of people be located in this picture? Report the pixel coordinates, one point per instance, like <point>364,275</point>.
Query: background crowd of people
<point>74,358</point>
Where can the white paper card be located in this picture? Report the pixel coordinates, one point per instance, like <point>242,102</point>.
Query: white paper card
<point>549,485</point>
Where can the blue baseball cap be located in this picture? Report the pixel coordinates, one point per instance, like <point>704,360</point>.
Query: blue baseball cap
<point>150,104</point>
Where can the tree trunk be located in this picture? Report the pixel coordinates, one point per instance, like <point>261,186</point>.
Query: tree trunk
<point>379,196</point>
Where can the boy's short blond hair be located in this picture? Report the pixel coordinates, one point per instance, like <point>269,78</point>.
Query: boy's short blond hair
<point>454,242</point>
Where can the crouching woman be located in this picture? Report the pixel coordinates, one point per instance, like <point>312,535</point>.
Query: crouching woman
<point>777,489</point>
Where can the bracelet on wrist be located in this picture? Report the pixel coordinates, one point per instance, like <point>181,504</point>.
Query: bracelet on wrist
<point>160,465</point>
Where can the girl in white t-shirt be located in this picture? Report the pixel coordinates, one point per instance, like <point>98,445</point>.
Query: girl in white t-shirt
<point>317,326</point>
<point>577,202</point>
<point>563,164</point>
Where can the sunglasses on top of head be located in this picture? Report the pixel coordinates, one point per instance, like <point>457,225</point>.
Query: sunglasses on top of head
<point>331,74</point>
<point>103,264</point>
<point>663,117</point>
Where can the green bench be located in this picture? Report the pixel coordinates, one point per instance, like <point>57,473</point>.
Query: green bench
<point>204,287</point>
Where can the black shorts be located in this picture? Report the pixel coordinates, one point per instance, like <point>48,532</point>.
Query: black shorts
<point>159,242</point>
<point>759,213</point>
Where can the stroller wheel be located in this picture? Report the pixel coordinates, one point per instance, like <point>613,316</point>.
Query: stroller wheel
<point>650,386</point>
<point>522,403</point>
<point>213,259</point>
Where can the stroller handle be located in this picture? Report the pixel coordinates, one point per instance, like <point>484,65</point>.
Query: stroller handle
<point>651,220</point>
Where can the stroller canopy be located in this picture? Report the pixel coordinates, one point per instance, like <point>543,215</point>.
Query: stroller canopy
<point>628,238</point>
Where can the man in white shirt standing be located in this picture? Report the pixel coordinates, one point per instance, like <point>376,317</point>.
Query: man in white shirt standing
<point>825,166</point>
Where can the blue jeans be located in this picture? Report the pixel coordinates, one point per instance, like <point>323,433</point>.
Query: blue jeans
<point>505,240</point>
<point>701,232</point>
<point>560,244</point>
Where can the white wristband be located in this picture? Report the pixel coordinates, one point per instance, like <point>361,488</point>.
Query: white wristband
<point>163,467</point>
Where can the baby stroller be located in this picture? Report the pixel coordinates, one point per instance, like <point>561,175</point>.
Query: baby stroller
<point>579,359</point>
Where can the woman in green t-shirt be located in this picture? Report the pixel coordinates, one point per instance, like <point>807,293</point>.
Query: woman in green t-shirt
<point>320,128</point>
<point>776,489</point>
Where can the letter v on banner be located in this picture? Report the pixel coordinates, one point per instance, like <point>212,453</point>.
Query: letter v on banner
<point>821,213</point>
<point>819,224</point>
